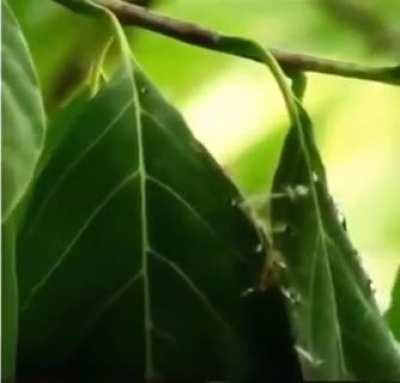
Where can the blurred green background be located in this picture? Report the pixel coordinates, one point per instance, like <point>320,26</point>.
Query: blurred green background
<point>235,109</point>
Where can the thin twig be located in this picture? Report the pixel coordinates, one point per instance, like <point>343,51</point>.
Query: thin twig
<point>135,15</point>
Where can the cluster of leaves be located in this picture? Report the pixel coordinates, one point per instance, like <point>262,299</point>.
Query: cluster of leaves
<point>127,254</point>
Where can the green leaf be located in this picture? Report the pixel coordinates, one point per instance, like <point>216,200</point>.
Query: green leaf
<point>393,313</point>
<point>23,126</point>
<point>9,305</point>
<point>23,116</point>
<point>141,250</point>
<point>338,325</point>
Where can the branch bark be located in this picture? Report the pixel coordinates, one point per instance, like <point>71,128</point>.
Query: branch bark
<point>135,15</point>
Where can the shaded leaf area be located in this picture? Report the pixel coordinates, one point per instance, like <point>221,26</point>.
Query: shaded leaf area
<point>392,315</point>
<point>271,341</point>
<point>9,302</point>
<point>339,329</point>
<point>23,128</point>
<point>141,251</point>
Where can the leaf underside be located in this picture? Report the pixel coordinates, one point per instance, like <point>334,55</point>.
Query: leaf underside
<point>335,316</point>
<point>149,251</point>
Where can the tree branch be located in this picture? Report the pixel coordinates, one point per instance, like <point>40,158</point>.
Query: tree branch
<point>135,15</point>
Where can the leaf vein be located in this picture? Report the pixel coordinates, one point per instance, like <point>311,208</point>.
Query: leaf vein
<point>73,164</point>
<point>75,239</point>
<point>190,208</point>
<point>196,290</point>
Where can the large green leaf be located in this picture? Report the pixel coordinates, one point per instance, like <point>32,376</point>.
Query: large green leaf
<point>393,313</point>
<point>23,117</point>
<point>141,250</point>
<point>22,135</point>
<point>338,325</point>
